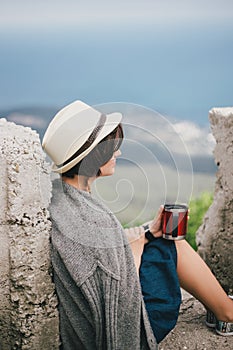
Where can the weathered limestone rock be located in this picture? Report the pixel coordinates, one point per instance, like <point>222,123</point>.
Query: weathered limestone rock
<point>215,245</point>
<point>191,333</point>
<point>28,314</point>
<point>215,236</point>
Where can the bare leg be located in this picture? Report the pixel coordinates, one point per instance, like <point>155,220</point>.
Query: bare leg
<point>197,279</point>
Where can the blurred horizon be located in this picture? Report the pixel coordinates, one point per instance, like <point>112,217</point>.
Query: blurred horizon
<point>60,12</point>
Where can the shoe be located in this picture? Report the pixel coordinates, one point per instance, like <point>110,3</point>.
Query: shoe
<point>210,319</point>
<point>224,328</point>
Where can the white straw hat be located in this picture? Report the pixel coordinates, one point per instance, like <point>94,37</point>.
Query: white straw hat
<point>71,128</point>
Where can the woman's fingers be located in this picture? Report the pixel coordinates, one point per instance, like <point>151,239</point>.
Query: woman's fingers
<point>156,225</point>
<point>158,219</point>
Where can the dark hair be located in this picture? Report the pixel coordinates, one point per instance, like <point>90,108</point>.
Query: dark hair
<point>90,165</point>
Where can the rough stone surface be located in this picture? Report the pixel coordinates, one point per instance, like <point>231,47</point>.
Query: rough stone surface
<point>215,245</point>
<point>191,333</point>
<point>215,236</point>
<point>28,313</point>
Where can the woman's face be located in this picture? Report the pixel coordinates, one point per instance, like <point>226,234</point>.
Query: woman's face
<point>109,168</point>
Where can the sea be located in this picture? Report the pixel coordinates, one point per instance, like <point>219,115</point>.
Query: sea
<point>181,71</point>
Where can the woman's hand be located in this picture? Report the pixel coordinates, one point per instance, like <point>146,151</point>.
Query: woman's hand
<point>155,226</point>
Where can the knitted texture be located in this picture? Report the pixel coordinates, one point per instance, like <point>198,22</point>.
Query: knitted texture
<point>100,300</point>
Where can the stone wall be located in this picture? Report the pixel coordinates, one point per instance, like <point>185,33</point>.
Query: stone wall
<point>215,236</point>
<point>28,314</point>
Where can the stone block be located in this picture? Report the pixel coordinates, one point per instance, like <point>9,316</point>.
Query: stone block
<point>215,236</point>
<point>28,304</point>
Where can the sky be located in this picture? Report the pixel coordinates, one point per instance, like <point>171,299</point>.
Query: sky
<point>49,13</point>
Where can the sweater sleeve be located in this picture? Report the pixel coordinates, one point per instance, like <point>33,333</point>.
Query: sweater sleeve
<point>134,233</point>
<point>101,290</point>
<point>88,310</point>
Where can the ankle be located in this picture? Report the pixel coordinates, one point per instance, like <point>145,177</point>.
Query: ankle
<point>226,314</point>
<point>226,318</point>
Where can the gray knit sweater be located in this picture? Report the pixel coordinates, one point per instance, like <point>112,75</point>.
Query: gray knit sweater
<point>100,300</point>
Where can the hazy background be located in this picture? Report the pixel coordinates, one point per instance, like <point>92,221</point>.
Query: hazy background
<point>173,57</point>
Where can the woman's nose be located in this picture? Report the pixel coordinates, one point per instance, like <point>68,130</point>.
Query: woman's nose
<point>117,153</point>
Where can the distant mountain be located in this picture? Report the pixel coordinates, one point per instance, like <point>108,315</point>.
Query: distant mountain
<point>35,117</point>
<point>140,145</point>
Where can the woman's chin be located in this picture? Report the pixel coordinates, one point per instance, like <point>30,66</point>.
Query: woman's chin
<point>108,173</point>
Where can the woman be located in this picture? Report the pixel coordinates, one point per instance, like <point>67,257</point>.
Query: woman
<point>103,303</point>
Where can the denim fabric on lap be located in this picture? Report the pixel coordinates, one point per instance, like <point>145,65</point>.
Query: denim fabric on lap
<point>160,285</point>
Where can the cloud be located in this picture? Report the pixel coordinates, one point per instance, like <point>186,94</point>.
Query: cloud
<point>199,141</point>
<point>27,120</point>
<point>161,133</point>
<point>176,137</point>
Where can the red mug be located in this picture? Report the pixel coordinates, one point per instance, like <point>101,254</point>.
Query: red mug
<point>175,221</point>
